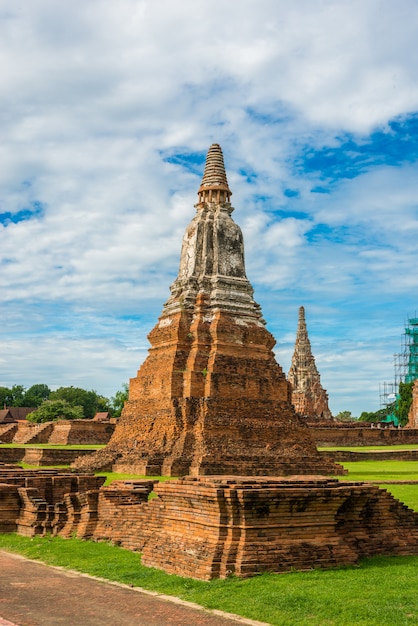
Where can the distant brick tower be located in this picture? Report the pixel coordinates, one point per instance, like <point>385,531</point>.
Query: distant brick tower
<point>413,411</point>
<point>210,397</point>
<point>309,398</point>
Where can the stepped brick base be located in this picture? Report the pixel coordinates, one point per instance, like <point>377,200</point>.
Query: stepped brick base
<point>213,527</point>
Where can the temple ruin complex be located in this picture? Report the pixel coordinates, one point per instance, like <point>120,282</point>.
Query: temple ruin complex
<point>309,398</point>
<point>210,397</point>
<point>210,401</point>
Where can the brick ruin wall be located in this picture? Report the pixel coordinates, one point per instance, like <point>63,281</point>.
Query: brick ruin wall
<point>363,436</point>
<point>38,456</point>
<point>85,431</point>
<point>62,432</point>
<point>212,527</point>
<point>413,411</point>
<point>341,456</point>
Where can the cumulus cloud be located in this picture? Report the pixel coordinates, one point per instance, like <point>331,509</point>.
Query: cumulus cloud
<point>107,111</point>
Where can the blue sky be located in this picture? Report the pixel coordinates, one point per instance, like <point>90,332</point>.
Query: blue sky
<point>108,110</point>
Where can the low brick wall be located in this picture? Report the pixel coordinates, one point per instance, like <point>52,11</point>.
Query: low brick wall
<point>11,455</point>
<point>378,455</point>
<point>81,431</point>
<point>61,432</point>
<point>10,506</point>
<point>123,513</point>
<point>363,436</point>
<point>217,526</point>
<point>51,456</point>
<point>39,456</point>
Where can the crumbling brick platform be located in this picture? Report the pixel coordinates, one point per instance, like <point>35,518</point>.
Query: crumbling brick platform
<point>215,526</point>
<point>32,501</point>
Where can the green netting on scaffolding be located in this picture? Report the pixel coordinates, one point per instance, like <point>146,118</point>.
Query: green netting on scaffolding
<point>411,344</point>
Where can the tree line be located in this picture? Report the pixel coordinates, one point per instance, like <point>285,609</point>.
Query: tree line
<point>63,403</point>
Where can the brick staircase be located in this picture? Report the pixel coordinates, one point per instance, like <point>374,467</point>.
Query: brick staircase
<point>33,433</point>
<point>7,432</point>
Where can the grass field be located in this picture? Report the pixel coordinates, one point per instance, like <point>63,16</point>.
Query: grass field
<point>403,446</point>
<point>377,470</point>
<point>381,591</point>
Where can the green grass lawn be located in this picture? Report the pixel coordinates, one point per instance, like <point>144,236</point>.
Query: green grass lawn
<point>111,476</point>
<point>381,591</point>
<point>376,470</point>
<point>408,494</point>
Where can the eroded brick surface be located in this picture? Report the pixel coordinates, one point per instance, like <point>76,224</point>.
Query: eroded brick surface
<point>210,398</point>
<point>215,526</point>
<point>309,398</point>
<point>413,411</point>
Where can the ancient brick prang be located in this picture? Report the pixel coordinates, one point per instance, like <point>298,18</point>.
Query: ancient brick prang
<point>210,397</point>
<point>309,398</point>
<point>413,411</point>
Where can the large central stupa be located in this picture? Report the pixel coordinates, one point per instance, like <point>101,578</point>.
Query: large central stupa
<point>210,397</point>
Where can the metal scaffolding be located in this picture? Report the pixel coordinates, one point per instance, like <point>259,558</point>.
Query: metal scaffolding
<point>405,363</point>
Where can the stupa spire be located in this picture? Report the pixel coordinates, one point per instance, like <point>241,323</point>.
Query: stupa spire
<point>212,256</point>
<point>302,331</point>
<point>309,398</point>
<point>214,186</point>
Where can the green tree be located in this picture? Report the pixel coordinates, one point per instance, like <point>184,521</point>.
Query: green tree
<point>35,395</point>
<point>18,392</point>
<point>12,397</point>
<point>376,416</point>
<point>118,400</point>
<point>75,396</point>
<point>403,402</point>
<point>5,397</point>
<point>51,410</point>
<point>345,416</point>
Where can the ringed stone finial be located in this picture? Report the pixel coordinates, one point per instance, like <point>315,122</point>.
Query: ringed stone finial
<point>214,186</point>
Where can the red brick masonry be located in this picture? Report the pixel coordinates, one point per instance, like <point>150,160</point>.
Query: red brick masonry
<point>215,526</point>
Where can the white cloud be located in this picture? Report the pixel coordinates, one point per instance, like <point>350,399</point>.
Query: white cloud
<point>96,96</point>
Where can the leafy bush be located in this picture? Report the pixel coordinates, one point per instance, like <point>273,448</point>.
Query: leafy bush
<point>403,402</point>
<point>90,401</point>
<point>376,416</point>
<point>117,402</point>
<point>52,410</point>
